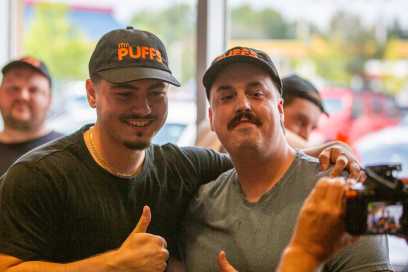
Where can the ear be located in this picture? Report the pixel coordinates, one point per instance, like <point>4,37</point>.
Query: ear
<point>210,116</point>
<point>280,109</point>
<point>90,93</point>
<point>280,106</point>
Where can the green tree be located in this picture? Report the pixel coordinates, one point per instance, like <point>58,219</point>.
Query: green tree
<point>175,25</point>
<point>267,23</point>
<point>350,45</point>
<point>53,39</point>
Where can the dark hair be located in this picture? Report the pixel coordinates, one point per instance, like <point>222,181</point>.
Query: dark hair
<point>95,78</point>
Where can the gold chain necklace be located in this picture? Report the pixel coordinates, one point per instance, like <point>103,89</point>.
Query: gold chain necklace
<point>89,141</point>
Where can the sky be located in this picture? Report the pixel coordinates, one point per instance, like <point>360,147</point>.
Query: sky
<point>317,11</point>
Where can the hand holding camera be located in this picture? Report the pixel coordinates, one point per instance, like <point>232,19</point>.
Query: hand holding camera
<point>380,205</point>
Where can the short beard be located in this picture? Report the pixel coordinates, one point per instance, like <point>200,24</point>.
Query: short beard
<point>24,126</point>
<point>136,145</point>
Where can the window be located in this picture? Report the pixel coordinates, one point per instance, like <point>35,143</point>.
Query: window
<point>69,30</point>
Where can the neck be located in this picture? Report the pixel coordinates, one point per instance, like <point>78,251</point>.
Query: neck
<point>11,135</point>
<point>259,172</point>
<point>119,159</point>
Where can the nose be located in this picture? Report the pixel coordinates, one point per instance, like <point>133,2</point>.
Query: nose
<point>305,133</point>
<point>23,94</point>
<point>243,103</point>
<point>141,106</point>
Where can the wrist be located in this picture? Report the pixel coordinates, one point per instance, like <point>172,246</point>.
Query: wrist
<point>112,260</point>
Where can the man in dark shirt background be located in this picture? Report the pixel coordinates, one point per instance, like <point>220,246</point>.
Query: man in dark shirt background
<point>25,98</point>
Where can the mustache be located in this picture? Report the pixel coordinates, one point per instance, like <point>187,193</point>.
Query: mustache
<point>243,114</point>
<point>20,103</point>
<point>126,117</point>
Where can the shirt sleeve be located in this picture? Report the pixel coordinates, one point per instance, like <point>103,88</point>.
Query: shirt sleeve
<point>208,163</point>
<point>27,214</point>
<point>369,254</point>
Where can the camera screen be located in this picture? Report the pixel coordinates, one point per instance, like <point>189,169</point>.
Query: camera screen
<point>384,217</point>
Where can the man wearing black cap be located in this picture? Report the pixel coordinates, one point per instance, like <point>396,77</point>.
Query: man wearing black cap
<point>250,211</point>
<point>302,104</point>
<point>73,205</point>
<point>25,98</point>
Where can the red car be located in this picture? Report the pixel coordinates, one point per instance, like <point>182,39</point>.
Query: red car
<point>354,114</point>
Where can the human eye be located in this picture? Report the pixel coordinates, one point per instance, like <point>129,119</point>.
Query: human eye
<point>226,95</point>
<point>12,89</point>
<point>257,93</point>
<point>123,94</point>
<point>34,90</point>
<point>158,93</point>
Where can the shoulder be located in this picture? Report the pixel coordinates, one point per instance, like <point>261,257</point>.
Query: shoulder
<point>370,253</point>
<point>191,152</point>
<point>55,153</point>
<point>219,187</point>
<point>195,158</point>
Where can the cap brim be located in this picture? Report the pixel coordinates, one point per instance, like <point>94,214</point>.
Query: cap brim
<point>127,74</point>
<point>19,63</point>
<point>210,75</point>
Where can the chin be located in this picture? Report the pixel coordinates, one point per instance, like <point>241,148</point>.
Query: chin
<point>245,145</point>
<point>137,145</point>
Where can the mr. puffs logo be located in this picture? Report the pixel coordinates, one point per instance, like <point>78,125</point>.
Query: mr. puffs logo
<point>240,51</point>
<point>138,52</point>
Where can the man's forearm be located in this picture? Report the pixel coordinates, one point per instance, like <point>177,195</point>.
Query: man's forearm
<point>100,263</point>
<point>315,151</point>
<point>292,259</point>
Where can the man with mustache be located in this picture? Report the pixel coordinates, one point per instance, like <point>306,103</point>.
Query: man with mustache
<point>249,212</point>
<point>73,205</point>
<point>25,98</point>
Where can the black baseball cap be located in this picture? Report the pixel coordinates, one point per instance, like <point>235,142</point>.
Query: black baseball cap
<point>124,55</point>
<point>238,55</point>
<point>296,86</point>
<point>30,62</point>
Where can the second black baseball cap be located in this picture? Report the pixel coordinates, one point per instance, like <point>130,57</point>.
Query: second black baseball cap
<point>129,54</point>
<point>296,86</point>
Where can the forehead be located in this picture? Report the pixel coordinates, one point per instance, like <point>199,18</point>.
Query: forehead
<point>303,106</point>
<point>241,75</point>
<point>138,84</point>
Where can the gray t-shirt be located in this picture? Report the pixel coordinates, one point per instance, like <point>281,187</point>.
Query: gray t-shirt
<point>255,234</point>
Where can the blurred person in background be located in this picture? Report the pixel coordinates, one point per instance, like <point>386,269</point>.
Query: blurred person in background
<point>25,99</point>
<point>302,106</point>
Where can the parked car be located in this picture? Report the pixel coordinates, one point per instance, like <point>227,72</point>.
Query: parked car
<point>388,146</point>
<point>355,114</point>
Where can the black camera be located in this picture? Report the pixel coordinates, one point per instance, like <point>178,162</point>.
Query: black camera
<point>379,205</point>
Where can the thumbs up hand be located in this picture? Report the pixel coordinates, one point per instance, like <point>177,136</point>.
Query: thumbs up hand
<point>141,251</point>
<point>223,263</point>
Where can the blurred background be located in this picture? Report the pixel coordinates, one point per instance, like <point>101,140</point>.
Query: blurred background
<point>355,52</point>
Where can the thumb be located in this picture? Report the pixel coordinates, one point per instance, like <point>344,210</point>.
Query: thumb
<point>144,220</point>
<point>223,264</point>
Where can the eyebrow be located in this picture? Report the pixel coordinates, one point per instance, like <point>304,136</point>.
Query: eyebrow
<point>130,86</point>
<point>157,85</point>
<point>124,86</point>
<point>223,88</point>
<point>255,84</point>
<point>249,85</point>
